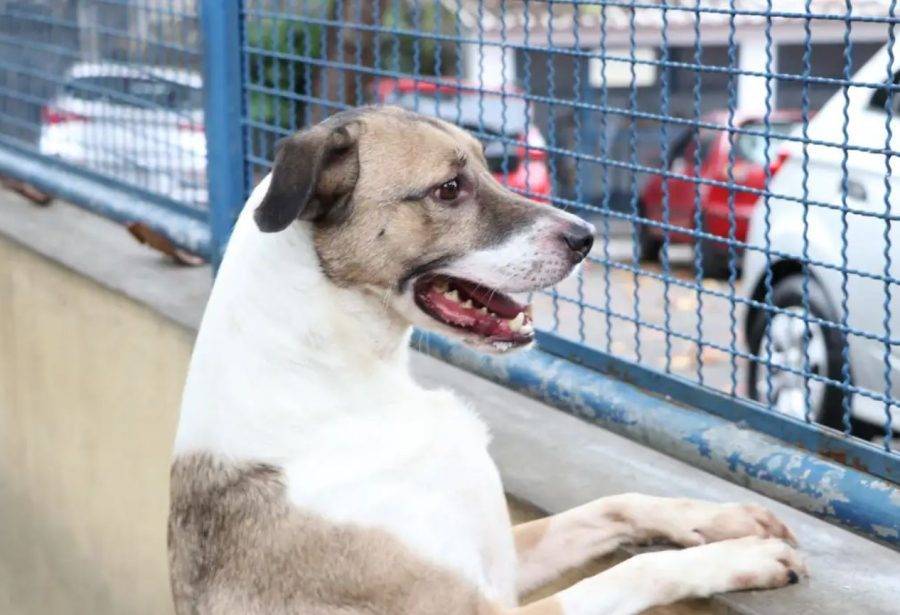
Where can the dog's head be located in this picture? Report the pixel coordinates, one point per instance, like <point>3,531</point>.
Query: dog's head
<point>404,206</point>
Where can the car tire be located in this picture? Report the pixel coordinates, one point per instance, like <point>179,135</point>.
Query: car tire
<point>713,256</point>
<point>649,246</point>
<point>713,259</point>
<point>787,294</point>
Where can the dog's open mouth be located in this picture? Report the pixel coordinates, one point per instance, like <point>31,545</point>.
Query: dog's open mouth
<point>473,308</point>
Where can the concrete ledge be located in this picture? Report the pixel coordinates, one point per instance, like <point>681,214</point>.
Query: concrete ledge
<point>104,252</point>
<point>548,458</point>
<point>556,461</point>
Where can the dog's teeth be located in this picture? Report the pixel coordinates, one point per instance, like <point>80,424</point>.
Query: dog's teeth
<point>526,329</point>
<point>516,323</point>
<point>467,304</point>
<point>452,296</point>
<point>483,310</point>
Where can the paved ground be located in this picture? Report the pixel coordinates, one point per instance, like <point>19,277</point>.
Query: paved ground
<point>628,314</point>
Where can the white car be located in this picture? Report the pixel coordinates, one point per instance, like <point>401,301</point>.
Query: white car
<point>836,204</point>
<point>139,124</point>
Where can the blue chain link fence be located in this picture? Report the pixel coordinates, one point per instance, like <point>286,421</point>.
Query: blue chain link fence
<point>109,93</point>
<point>737,158</point>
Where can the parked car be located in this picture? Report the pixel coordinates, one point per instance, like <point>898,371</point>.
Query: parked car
<point>748,169</point>
<point>139,123</point>
<point>836,205</point>
<point>505,124</point>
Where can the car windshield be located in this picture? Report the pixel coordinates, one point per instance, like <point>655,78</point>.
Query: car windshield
<point>489,113</point>
<point>753,147</point>
<point>135,92</point>
<point>683,146</point>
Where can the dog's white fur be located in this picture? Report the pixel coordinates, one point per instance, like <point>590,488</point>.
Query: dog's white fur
<point>394,441</point>
<point>522,263</point>
<point>292,370</point>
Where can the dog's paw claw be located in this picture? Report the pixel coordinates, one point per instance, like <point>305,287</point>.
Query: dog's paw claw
<point>758,563</point>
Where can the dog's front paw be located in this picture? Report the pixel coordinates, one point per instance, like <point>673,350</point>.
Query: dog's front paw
<point>729,565</point>
<point>749,563</point>
<point>694,522</point>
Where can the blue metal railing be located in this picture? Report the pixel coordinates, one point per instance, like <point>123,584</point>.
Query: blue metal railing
<point>738,160</point>
<point>224,112</point>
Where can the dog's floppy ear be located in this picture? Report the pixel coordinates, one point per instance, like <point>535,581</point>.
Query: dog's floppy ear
<point>314,174</point>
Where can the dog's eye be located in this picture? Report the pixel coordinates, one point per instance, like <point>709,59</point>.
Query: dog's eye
<point>448,191</point>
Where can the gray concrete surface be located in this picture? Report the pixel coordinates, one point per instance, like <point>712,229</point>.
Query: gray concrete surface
<point>546,457</point>
<point>556,461</point>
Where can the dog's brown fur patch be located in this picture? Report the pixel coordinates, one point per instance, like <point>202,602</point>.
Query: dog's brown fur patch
<point>236,545</point>
<point>528,535</point>
<point>384,222</point>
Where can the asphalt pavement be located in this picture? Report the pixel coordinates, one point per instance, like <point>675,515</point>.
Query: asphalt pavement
<point>669,320</point>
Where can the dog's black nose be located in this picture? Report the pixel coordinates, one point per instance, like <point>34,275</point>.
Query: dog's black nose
<point>579,238</point>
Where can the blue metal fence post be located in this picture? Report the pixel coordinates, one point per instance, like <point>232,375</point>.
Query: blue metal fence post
<point>222,49</point>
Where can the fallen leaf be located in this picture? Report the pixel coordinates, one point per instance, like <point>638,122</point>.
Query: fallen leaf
<point>33,194</point>
<point>156,240</point>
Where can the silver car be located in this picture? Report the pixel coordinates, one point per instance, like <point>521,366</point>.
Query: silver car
<point>851,284</point>
<point>140,124</point>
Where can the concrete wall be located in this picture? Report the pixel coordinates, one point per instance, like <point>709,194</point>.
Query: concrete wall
<point>89,389</point>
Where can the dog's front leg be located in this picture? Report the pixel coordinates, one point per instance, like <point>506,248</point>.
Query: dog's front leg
<point>550,546</point>
<point>663,577</point>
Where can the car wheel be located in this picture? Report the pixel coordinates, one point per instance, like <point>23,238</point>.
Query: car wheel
<point>649,245</point>
<point>778,339</point>
<point>713,256</point>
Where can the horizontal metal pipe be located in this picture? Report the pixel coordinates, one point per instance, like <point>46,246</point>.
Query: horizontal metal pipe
<point>812,437</point>
<point>184,229</point>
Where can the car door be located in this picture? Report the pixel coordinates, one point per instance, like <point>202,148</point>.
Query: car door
<point>870,189</point>
<point>682,186</point>
<point>94,99</point>
<point>874,187</point>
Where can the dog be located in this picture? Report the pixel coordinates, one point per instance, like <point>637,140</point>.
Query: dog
<point>312,475</point>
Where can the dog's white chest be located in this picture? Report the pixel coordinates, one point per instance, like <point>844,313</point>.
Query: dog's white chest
<point>424,476</point>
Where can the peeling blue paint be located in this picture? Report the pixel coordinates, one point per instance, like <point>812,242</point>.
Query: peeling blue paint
<point>703,447</point>
<point>738,452</point>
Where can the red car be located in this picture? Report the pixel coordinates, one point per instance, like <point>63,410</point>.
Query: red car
<point>501,122</point>
<point>749,170</point>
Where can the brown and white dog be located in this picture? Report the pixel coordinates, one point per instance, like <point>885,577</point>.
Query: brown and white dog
<point>311,474</point>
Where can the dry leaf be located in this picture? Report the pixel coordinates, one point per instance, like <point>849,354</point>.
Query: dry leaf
<point>33,194</point>
<point>156,240</point>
